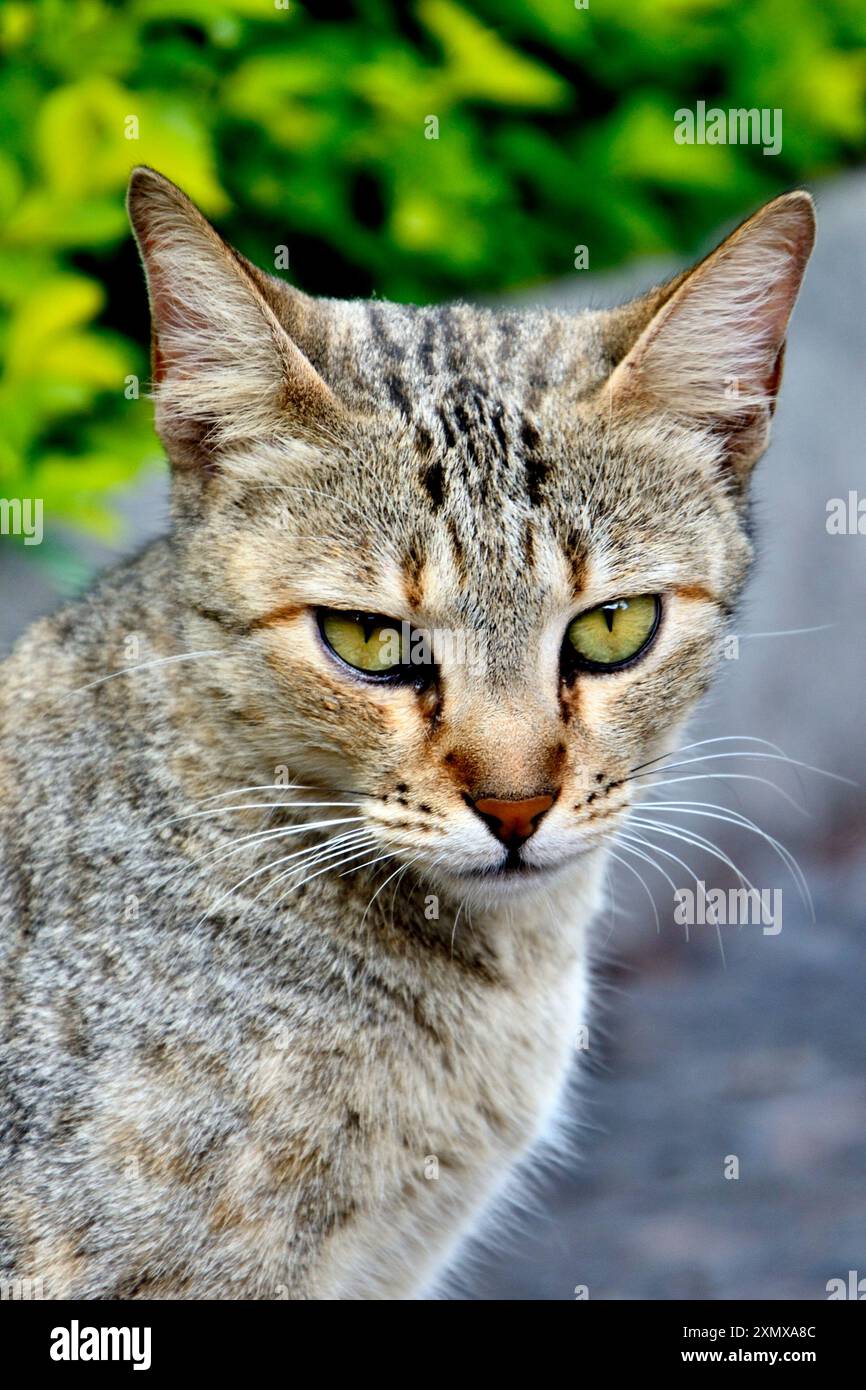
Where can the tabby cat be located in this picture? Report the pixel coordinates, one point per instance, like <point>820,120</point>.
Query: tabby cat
<point>304,810</point>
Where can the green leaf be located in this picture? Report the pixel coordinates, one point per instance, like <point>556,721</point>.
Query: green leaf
<point>482,66</point>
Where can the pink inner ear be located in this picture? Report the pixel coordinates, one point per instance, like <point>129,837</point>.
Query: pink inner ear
<point>726,322</point>
<point>167,311</point>
<point>767,323</point>
<point>158,305</point>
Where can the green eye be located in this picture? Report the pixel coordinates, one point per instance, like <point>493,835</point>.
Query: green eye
<point>366,641</point>
<point>614,633</point>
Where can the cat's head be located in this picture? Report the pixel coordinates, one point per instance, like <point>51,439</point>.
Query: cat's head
<point>472,567</point>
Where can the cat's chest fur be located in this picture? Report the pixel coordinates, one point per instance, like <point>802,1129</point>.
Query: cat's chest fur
<point>377,1101</point>
<point>316,1123</point>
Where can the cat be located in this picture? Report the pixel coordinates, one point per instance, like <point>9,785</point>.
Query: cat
<point>296,888</point>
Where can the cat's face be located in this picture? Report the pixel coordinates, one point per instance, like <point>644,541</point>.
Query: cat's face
<point>471,569</point>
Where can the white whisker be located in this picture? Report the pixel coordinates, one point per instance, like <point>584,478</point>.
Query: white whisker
<point>327,869</point>
<point>400,870</point>
<point>273,787</point>
<point>454,928</point>
<point>641,880</point>
<point>683,865</point>
<point>710,811</point>
<point>361,839</point>
<point>787,632</point>
<point>697,841</point>
<point>255,874</point>
<point>145,666</point>
<point>640,854</point>
<point>258,838</point>
<point>728,777</point>
<point>269,806</point>
<point>770,757</point>
<point>705,743</point>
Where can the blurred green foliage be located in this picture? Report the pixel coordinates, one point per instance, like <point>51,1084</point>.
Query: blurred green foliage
<point>308,127</point>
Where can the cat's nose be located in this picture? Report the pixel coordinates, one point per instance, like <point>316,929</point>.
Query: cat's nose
<point>513,822</point>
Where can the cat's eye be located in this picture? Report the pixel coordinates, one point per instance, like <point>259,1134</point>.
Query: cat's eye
<point>613,634</point>
<point>378,647</point>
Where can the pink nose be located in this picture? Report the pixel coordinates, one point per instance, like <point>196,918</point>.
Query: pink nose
<point>513,822</point>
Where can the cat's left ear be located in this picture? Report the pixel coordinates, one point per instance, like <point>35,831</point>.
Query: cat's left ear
<point>225,370</point>
<point>712,355</point>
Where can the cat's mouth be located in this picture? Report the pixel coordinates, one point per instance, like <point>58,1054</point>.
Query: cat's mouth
<point>503,871</point>
<point>514,868</point>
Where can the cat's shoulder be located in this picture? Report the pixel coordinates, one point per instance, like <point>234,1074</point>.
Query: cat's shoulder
<point>65,656</point>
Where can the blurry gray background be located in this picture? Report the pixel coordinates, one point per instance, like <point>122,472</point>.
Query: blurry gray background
<point>761,1055</point>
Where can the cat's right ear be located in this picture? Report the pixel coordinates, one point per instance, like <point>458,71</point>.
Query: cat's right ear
<point>224,369</point>
<point>711,353</point>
